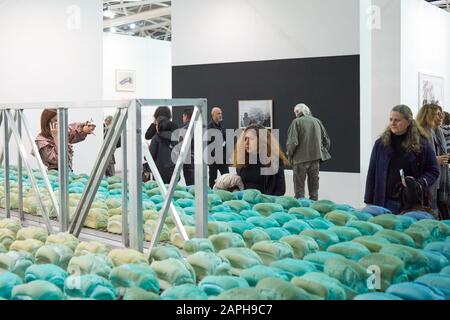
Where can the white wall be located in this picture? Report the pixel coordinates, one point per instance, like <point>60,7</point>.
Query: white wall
<point>218,31</point>
<point>425,48</point>
<point>46,55</point>
<point>152,61</point>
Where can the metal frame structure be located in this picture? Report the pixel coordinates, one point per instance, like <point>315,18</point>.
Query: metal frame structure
<point>132,148</point>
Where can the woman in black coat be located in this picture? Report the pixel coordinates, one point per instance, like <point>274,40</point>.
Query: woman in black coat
<point>260,162</point>
<point>161,147</point>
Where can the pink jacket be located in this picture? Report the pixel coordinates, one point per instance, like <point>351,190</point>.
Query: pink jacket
<point>49,150</point>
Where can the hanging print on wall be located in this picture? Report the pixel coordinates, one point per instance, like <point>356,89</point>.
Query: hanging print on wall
<point>431,90</point>
<point>126,80</point>
<point>255,111</point>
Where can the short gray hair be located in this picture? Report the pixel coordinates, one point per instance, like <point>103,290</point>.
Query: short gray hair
<point>110,118</point>
<point>302,108</point>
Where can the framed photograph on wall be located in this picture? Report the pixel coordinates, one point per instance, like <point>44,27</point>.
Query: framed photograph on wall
<point>125,80</point>
<point>431,90</point>
<point>255,111</point>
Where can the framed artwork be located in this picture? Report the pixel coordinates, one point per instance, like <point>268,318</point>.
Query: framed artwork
<point>125,80</point>
<point>431,90</point>
<point>255,111</point>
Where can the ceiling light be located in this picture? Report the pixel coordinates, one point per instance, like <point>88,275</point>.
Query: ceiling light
<point>133,26</point>
<point>112,29</point>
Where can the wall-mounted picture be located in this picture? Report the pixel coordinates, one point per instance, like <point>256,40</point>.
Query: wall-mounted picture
<point>431,89</point>
<point>126,80</point>
<point>255,111</point>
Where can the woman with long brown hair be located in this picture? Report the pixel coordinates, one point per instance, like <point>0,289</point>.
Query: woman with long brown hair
<point>431,118</point>
<point>403,147</point>
<point>259,161</point>
<point>46,141</point>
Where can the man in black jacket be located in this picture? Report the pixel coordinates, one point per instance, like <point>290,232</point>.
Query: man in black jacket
<point>218,164</point>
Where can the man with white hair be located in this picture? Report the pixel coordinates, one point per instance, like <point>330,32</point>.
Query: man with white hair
<point>308,145</point>
<point>110,170</point>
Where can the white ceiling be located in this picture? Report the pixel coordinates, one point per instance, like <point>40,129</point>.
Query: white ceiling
<point>144,18</point>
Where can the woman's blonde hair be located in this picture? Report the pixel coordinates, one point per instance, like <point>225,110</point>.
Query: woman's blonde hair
<point>414,134</point>
<point>267,141</point>
<point>427,117</point>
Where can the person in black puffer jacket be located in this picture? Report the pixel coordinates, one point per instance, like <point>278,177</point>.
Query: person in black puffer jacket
<point>161,148</point>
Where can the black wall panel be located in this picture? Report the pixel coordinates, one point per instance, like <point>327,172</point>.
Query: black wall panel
<point>328,85</point>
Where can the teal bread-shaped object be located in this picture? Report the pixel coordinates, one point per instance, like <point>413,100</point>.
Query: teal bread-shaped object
<point>366,228</point>
<point>7,237</point>
<point>350,250</point>
<point>256,273</point>
<point>416,263</point>
<point>134,275</point>
<point>362,216</point>
<point>215,285</point>
<point>288,202</point>
<point>388,221</point>
<point>240,227</point>
<point>216,227</point>
<point>250,195</point>
<point>320,258</point>
<point>350,273</point>
<point>294,266</point>
<point>174,271</point>
<point>282,217</point>
<point>227,216</point>
<point>185,203</point>
<point>238,205</point>
<point>225,195</point>
<point>279,289</point>
<point>304,213</point>
<point>264,198</point>
<point>240,294</point>
<point>301,245</point>
<point>392,269</point>
<point>346,233</point>
<point>277,233</point>
<point>442,247</point>
<point>245,214</point>
<point>345,207</point>
<point>195,245</point>
<point>136,293</point>
<point>415,291</point>
<point>209,264</point>
<point>163,252</point>
<point>254,235</point>
<point>220,208</point>
<point>226,240</point>
<point>241,258</point>
<point>296,226</point>
<point>321,285</point>
<point>320,224</point>
<point>373,243</point>
<point>263,222</point>
<point>339,218</point>
<point>8,281</point>
<point>324,238</point>
<point>270,251</point>
<point>57,254</point>
<point>46,272</point>
<point>436,260</point>
<point>16,262</point>
<point>266,209</point>
<point>438,281</point>
<point>37,290</point>
<point>89,286</point>
<point>324,206</point>
<point>396,237</point>
<point>420,234</point>
<point>406,221</point>
<point>376,296</point>
<point>90,263</point>
<point>184,292</point>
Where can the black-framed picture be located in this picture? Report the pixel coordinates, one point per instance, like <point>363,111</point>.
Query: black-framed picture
<point>255,111</point>
<point>431,90</point>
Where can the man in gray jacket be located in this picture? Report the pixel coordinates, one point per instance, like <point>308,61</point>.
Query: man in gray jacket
<point>308,145</point>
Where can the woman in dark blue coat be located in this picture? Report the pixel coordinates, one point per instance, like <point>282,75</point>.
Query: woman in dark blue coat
<point>403,146</point>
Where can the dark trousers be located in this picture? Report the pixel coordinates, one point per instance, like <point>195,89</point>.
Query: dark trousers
<point>213,168</point>
<point>188,172</point>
